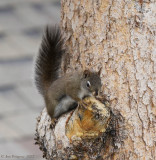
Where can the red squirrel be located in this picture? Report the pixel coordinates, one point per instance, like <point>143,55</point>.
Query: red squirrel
<point>61,94</point>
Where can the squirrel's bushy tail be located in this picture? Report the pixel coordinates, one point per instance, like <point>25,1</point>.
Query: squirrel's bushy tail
<point>49,59</point>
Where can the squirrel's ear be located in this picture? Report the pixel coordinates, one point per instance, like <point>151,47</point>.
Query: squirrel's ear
<point>99,72</point>
<point>86,73</point>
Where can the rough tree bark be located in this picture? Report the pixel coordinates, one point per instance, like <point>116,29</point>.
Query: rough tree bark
<point>119,36</point>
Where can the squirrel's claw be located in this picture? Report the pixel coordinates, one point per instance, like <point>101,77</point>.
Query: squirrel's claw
<point>53,122</point>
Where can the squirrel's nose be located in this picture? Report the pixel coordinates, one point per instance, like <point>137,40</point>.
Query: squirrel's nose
<point>95,93</point>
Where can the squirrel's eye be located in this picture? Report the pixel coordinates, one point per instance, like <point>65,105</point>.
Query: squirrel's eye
<point>88,84</point>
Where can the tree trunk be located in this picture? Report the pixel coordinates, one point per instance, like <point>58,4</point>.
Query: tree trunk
<point>119,36</point>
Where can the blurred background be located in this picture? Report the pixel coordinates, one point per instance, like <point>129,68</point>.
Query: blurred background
<point>21,27</point>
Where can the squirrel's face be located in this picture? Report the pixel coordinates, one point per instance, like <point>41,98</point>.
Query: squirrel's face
<point>91,83</point>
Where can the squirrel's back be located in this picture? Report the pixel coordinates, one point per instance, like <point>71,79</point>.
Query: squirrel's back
<point>49,59</point>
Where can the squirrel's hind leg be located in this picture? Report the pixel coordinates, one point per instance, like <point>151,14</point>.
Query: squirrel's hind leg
<point>66,104</point>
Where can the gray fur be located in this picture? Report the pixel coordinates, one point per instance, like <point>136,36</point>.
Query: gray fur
<point>64,106</point>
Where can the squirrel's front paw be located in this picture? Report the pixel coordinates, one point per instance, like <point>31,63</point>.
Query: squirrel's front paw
<point>83,103</point>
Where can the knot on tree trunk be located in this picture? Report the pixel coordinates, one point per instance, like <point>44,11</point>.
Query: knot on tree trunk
<point>85,133</point>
